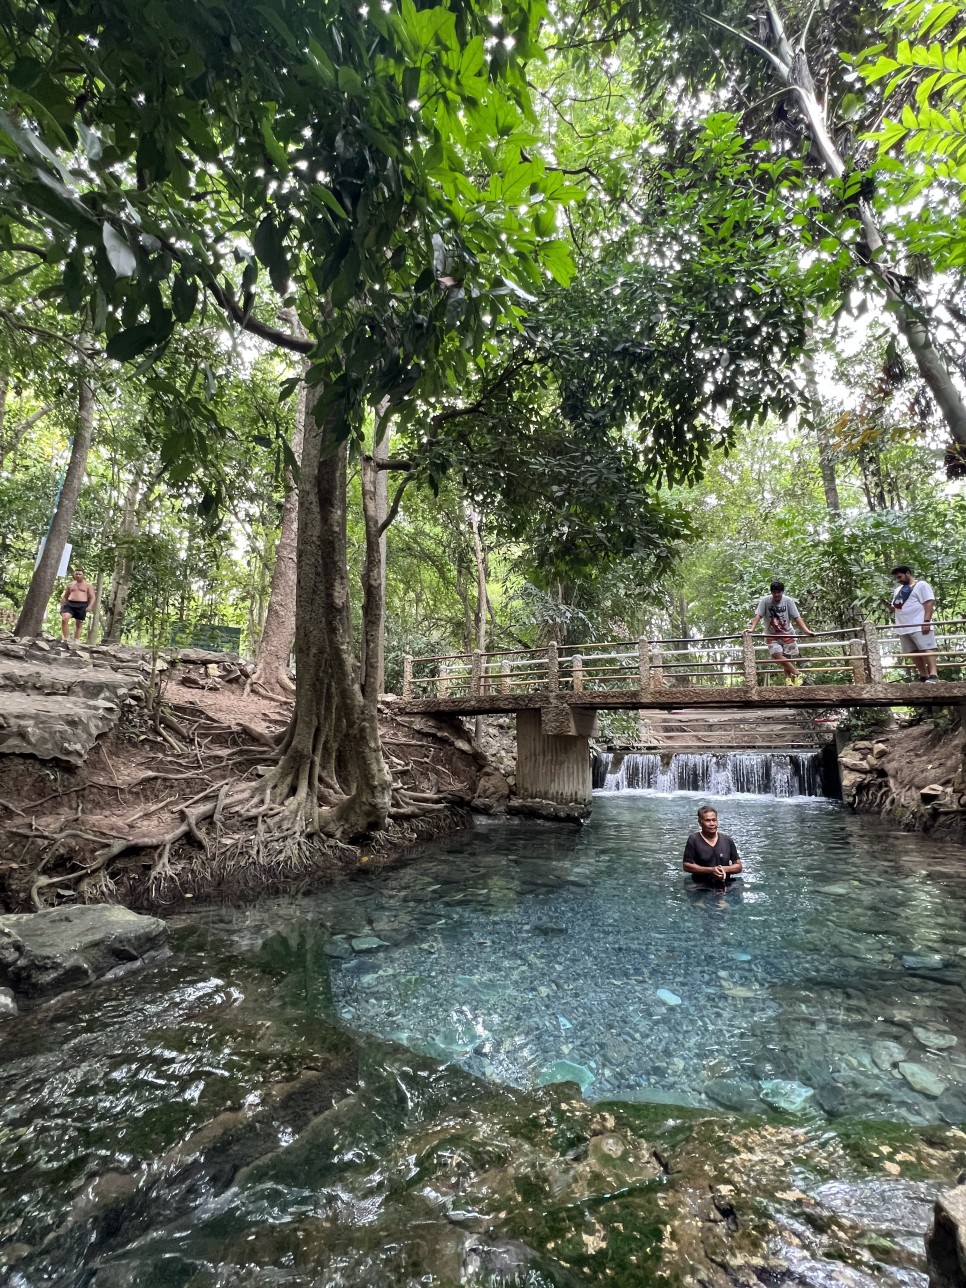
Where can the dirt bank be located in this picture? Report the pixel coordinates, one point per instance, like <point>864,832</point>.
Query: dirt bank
<point>913,775</point>
<point>102,829</point>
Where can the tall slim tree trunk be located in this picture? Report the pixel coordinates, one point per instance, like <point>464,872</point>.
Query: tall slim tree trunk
<point>31,619</point>
<point>791,66</point>
<point>331,750</point>
<point>826,454</point>
<point>482,598</point>
<point>278,634</point>
<point>93,631</point>
<point>123,563</point>
<point>375,507</point>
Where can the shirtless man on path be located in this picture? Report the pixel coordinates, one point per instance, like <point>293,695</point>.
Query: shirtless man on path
<point>77,601</point>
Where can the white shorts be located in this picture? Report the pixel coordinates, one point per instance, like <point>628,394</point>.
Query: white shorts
<point>787,649</point>
<point>916,642</point>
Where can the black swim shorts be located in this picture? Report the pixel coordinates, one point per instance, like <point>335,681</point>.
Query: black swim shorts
<point>77,611</point>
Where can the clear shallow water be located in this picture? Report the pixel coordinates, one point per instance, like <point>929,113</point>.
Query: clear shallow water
<point>829,979</point>
<point>517,951</point>
<point>522,946</point>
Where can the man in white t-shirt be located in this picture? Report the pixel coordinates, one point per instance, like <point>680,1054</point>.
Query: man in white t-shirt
<point>912,608</point>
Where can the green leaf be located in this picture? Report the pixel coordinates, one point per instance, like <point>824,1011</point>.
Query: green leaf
<point>269,245</point>
<point>272,145</point>
<point>184,297</point>
<point>329,199</point>
<point>122,257</point>
<point>136,339</point>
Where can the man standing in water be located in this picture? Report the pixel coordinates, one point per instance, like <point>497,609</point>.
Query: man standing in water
<point>710,855</point>
<point>781,613</point>
<point>78,600</point>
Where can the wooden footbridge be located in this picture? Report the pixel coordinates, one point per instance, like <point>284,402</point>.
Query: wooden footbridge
<point>557,691</point>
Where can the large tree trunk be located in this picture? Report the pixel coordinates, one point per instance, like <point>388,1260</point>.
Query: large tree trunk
<point>791,65</point>
<point>331,751</point>
<point>278,634</point>
<point>375,507</point>
<point>31,619</point>
<point>826,454</point>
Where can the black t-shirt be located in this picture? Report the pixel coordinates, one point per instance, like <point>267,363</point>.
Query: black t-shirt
<point>722,854</point>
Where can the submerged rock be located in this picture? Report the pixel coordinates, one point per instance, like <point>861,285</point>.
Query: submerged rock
<point>669,998</point>
<point>368,943</point>
<point>46,953</point>
<point>952,1106</point>
<point>934,1038</point>
<point>922,1079</point>
<point>923,961</point>
<point>566,1071</point>
<point>792,1097</point>
<point>887,1054</point>
<point>731,1094</point>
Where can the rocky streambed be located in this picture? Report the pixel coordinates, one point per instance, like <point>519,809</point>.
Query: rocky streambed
<point>207,1122</point>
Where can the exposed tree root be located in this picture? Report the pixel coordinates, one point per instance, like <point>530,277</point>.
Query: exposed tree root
<point>217,807</point>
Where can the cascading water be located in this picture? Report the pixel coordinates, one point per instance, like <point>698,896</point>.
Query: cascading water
<point>719,773</point>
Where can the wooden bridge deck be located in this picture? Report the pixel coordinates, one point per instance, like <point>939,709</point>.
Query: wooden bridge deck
<point>862,667</point>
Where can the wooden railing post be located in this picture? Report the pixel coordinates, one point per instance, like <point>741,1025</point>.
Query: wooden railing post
<point>656,679</point>
<point>407,677</point>
<point>873,657</point>
<point>643,663</point>
<point>505,677</point>
<point>748,659</point>
<point>577,673</point>
<point>442,682</point>
<point>476,673</point>
<point>553,667</point>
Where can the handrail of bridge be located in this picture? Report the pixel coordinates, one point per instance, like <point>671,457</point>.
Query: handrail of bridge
<point>851,655</point>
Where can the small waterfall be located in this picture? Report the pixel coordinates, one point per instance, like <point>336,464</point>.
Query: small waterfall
<point>719,773</point>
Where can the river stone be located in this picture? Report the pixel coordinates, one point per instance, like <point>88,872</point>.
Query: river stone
<point>952,1106</point>
<point>923,961</point>
<point>492,792</point>
<point>46,953</point>
<point>8,1004</point>
<point>565,1071</point>
<point>887,1054</point>
<point>368,943</point>
<point>793,1097</point>
<point>934,1038</point>
<point>922,1079</point>
<point>731,1094</point>
<point>669,998</point>
<point>946,1241</point>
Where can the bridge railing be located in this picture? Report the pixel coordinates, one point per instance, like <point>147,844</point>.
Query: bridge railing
<point>861,655</point>
<point>950,650</point>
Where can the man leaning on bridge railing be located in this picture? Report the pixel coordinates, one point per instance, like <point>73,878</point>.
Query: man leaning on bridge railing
<point>781,615</point>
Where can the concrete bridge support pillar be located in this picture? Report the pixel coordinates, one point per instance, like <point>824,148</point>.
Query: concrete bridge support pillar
<point>553,758</point>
